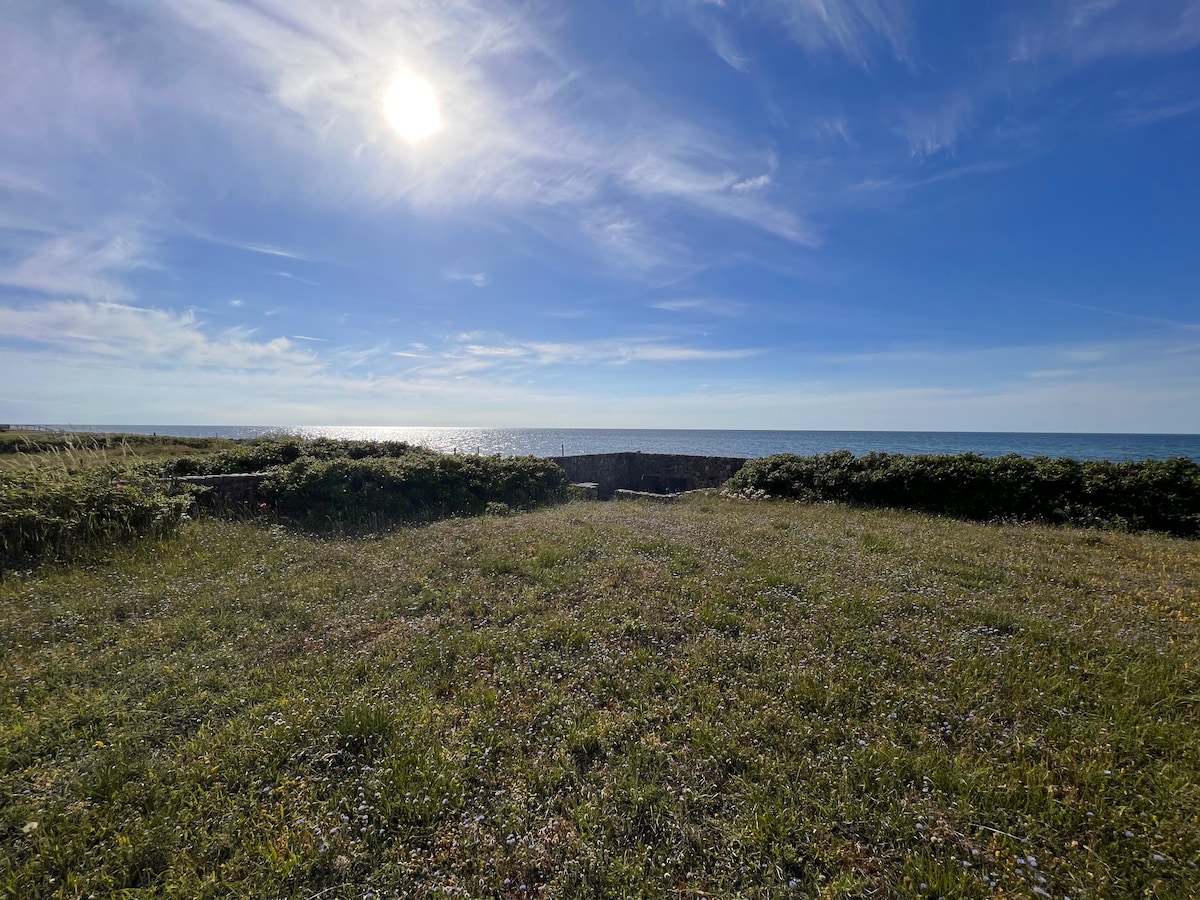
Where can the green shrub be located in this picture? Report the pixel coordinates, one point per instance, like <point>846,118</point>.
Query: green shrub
<point>258,456</point>
<point>56,515</point>
<point>419,486</point>
<point>1159,495</point>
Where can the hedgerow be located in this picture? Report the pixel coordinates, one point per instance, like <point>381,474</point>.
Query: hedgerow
<point>418,486</point>
<point>59,514</point>
<point>68,516</point>
<point>1158,495</point>
<point>258,456</point>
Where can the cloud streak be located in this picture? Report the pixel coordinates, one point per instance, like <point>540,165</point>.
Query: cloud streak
<point>705,305</point>
<point>476,279</point>
<point>1086,31</point>
<point>88,266</point>
<point>514,356</point>
<point>150,338</point>
<point>852,28</point>
<point>937,130</point>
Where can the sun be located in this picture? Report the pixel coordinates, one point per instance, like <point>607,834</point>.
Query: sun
<point>412,108</point>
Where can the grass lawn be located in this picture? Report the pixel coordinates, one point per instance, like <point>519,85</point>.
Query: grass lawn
<point>706,699</point>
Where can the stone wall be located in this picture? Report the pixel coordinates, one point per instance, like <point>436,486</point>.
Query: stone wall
<point>654,473</point>
<point>650,473</point>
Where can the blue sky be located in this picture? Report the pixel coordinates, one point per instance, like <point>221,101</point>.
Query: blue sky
<point>843,214</point>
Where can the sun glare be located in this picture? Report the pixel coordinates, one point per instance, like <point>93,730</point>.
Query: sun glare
<point>412,108</point>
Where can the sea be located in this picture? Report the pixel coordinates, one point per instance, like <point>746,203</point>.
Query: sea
<point>706,442</point>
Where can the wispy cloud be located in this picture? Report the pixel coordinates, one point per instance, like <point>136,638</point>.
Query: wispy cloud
<point>757,183</point>
<point>271,251</point>
<point>503,352</point>
<point>141,337</point>
<point>19,182</point>
<point>1089,30</point>
<point>625,239</point>
<point>938,129</point>
<point>853,28</point>
<point>704,17</point>
<point>1052,373</point>
<point>292,277</point>
<point>700,176</point>
<point>478,279</point>
<point>86,265</point>
<point>984,167</point>
<point>349,359</point>
<point>1139,317</point>
<point>468,354</point>
<point>833,129</point>
<point>610,351</point>
<point>1152,112</point>
<point>706,305</point>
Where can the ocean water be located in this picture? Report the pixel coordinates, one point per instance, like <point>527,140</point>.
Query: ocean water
<point>573,441</point>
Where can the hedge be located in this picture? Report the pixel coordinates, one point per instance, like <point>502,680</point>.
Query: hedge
<point>258,456</point>
<point>1158,495</point>
<point>416,487</point>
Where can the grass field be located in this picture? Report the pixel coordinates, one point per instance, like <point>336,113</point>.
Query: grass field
<point>706,699</point>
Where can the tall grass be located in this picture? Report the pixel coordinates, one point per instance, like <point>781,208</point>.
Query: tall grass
<point>48,513</point>
<point>21,451</point>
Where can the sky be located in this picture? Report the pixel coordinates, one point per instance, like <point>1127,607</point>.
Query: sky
<point>791,214</point>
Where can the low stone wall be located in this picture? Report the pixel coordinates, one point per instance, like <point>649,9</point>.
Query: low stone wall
<point>605,474</point>
<point>622,494</point>
<point>650,473</point>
